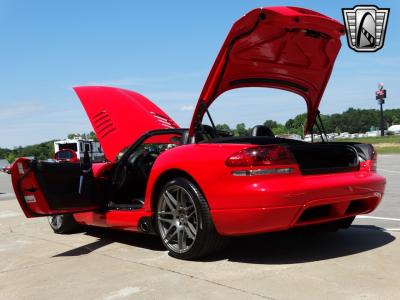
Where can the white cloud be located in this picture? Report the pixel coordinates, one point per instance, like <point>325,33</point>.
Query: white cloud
<point>173,96</point>
<point>187,107</point>
<point>150,81</point>
<point>20,109</point>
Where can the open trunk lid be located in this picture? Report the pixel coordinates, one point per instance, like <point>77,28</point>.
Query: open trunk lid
<point>288,48</point>
<point>119,117</point>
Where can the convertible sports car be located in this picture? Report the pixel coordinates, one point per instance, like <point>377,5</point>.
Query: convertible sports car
<point>195,187</point>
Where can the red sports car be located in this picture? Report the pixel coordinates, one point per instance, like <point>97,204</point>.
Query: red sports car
<point>7,169</point>
<point>195,187</point>
<point>66,155</point>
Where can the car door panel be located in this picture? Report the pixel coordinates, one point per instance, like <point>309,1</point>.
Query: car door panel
<point>48,188</point>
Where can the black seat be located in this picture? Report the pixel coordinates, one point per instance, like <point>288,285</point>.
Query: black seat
<point>205,133</point>
<point>261,130</point>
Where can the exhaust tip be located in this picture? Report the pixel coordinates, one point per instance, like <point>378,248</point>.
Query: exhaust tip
<point>144,226</point>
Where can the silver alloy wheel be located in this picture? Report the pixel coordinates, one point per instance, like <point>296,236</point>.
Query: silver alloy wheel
<point>177,219</point>
<point>56,221</point>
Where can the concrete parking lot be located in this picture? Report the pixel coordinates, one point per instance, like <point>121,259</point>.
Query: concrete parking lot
<point>359,263</point>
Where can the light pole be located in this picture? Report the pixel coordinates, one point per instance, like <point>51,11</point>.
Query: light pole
<point>381,96</point>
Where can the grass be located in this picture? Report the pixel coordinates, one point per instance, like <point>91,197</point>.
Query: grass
<point>388,150</point>
<point>383,145</point>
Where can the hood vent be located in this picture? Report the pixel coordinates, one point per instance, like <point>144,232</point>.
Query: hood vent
<point>164,121</point>
<point>103,124</point>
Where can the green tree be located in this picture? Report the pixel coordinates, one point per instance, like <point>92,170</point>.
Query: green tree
<point>71,136</point>
<point>289,124</point>
<point>280,129</point>
<point>10,157</point>
<point>91,135</point>
<point>271,124</point>
<point>224,127</point>
<point>241,130</point>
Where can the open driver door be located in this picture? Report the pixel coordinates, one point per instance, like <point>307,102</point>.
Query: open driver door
<point>46,188</point>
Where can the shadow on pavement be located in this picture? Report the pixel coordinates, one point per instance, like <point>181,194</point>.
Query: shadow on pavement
<point>299,246</point>
<point>287,247</point>
<point>108,236</point>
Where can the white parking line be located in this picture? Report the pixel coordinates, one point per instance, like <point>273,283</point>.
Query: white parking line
<point>392,229</point>
<point>8,214</point>
<point>378,218</point>
<point>389,171</point>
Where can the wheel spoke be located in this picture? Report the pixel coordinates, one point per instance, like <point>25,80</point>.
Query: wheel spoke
<point>169,229</point>
<point>191,228</point>
<point>170,200</point>
<point>168,213</point>
<point>168,239</point>
<point>191,214</point>
<point>189,233</point>
<point>166,220</point>
<point>181,239</point>
<point>179,197</point>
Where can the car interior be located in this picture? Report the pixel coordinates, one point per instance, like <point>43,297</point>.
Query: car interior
<point>129,181</point>
<point>129,177</point>
<point>207,133</point>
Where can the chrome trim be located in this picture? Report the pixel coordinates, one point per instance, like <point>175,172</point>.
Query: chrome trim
<point>262,172</point>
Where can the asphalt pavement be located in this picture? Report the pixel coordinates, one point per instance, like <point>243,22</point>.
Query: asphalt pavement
<point>359,263</point>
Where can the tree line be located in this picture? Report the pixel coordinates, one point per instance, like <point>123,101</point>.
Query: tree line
<point>352,121</point>
<point>43,150</point>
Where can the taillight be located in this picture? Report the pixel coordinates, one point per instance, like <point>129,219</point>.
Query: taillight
<point>261,156</point>
<point>370,165</point>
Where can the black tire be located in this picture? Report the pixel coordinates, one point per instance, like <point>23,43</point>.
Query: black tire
<point>64,224</point>
<point>206,240</point>
<point>335,225</point>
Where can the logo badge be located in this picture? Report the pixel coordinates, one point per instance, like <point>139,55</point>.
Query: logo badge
<point>365,27</point>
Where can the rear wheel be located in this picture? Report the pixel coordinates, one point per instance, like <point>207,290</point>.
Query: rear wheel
<point>184,221</point>
<point>63,224</point>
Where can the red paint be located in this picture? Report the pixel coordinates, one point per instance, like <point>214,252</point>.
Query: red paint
<point>119,117</point>
<point>253,196</point>
<point>287,48</point>
<point>117,219</point>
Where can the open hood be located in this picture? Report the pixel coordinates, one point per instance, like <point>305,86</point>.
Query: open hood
<point>119,117</point>
<point>288,48</point>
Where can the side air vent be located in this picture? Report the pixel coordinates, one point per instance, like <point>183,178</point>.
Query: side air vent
<point>103,124</point>
<point>164,121</point>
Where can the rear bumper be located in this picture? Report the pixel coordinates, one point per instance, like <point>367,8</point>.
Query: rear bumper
<point>349,196</point>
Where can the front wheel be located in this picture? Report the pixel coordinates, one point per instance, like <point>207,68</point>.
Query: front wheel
<point>184,221</point>
<point>63,224</point>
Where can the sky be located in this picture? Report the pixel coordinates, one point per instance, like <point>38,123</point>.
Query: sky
<point>163,50</point>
